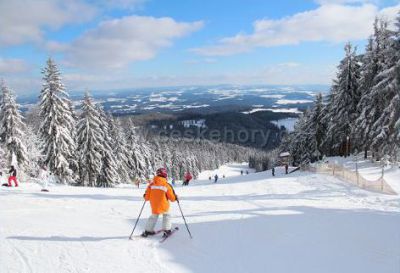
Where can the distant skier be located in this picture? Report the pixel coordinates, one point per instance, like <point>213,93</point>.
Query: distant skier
<point>44,178</point>
<point>273,171</point>
<point>137,182</point>
<point>247,172</point>
<point>223,176</point>
<point>187,177</point>
<point>215,178</point>
<point>209,178</point>
<point>13,176</point>
<point>173,181</point>
<point>159,193</point>
<point>241,172</point>
<point>286,168</point>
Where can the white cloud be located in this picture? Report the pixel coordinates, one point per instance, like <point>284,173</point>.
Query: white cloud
<point>8,66</point>
<point>329,22</point>
<point>282,73</point>
<point>118,42</point>
<point>23,21</point>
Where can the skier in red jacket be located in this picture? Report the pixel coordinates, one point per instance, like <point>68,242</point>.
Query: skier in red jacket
<point>187,178</point>
<point>13,176</point>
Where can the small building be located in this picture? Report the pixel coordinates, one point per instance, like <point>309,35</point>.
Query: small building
<point>285,158</point>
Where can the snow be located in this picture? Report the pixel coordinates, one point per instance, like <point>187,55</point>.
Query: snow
<point>283,101</point>
<point>200,123</point>
<point>254,110</point>
<point>160,98</point>
<point>230,170</point>
<point>288,123</point>
<point>275,110</point>
<point>195,106</point>
<point>273,96</point>
<point>300,222</point>
<point>285,110</point>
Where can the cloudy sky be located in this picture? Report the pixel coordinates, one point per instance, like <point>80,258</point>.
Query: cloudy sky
<point>114,44</point>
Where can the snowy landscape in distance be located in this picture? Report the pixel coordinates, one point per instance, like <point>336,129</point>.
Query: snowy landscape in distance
<point>292,99</point>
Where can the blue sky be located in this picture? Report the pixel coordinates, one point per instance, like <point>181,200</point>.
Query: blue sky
<point>104,45</point>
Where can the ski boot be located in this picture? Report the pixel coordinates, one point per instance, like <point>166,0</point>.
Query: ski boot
<point>166,233</point>
<point>147,233</point>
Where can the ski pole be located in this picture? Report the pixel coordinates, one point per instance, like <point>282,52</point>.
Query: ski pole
<point>144,203</point>
<point>179,205</point>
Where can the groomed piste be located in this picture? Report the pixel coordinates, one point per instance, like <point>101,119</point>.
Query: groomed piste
<point>301,222</point>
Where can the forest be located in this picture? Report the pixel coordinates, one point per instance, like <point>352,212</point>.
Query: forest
<point>90,147</point>
<point>362,111</point>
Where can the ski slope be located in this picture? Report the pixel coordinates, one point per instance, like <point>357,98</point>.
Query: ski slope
<point>300,222</point>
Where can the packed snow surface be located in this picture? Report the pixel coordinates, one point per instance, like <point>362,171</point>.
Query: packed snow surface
<point>300,222</point>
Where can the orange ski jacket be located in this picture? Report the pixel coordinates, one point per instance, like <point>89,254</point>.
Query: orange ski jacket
<point>159,193</point>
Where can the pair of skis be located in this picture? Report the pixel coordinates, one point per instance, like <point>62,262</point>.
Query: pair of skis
<point>173,231</point>
<point>165,236</point>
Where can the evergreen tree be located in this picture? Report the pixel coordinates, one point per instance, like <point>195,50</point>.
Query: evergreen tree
<point>109,168</point>
<point>89,140</point>
<point>12,129</point>
<point>370,105</point>
<point>139,157</point>
<point>57,124</point>
<point>346,95</point>
<point>120,149</point>
<point>316,126</point>
<point>385,130</point>
<point>34,152</point>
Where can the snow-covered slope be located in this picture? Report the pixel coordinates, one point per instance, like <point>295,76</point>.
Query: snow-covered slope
<point>300,222</point>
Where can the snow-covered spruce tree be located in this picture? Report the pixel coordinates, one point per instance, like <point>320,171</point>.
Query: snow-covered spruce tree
<point>346,96</point>
<point>139,157</point>
<point>74,158</point>
<point>157,153</point>
<point>109,168</point>
<point>120,149</point>
<point>89,141</point>
<point>370,105</point>
<point>329,140</point>
<point>316,126</point>
<point>34,152</point>
<point>303,143</point>
<point>176,165</point>
<point>57,124</point>
<point>3,162</point>
<point>386,129</point>
<point>12,129</point>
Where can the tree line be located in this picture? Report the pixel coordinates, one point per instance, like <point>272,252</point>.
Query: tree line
<point>89,147</point>
<point>362,110</point>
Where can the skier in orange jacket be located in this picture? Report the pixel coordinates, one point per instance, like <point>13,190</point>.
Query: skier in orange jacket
<point>159,193</point>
